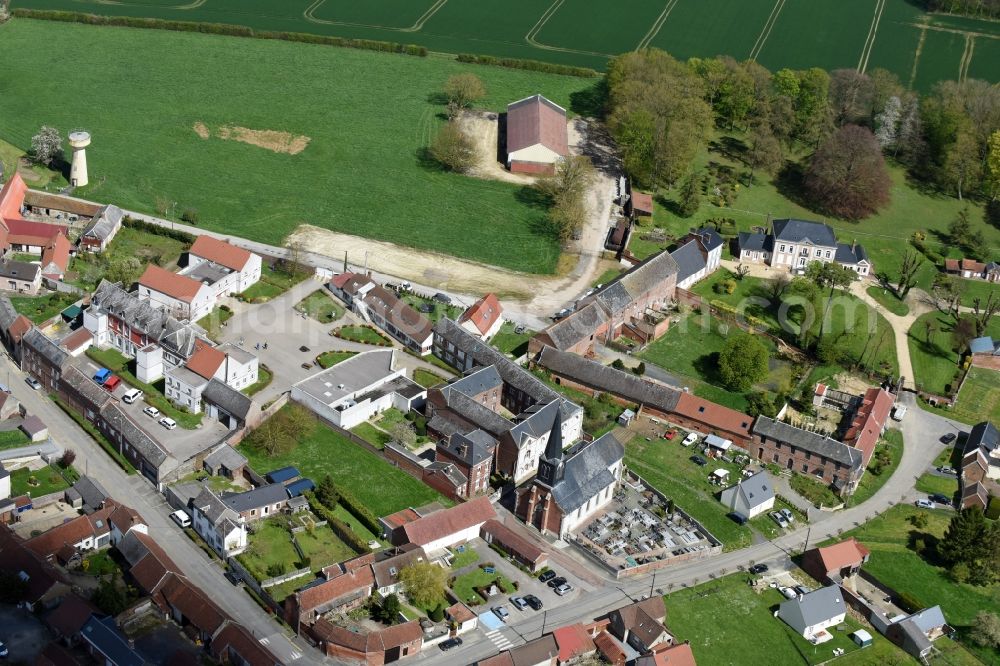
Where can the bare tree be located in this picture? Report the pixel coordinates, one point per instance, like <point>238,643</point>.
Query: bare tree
<point>741,271</point>
<point>777,287</point>
<point>984,311</point>
<point>403,433</point>
<point>908,272</point>
<point>46,145</point>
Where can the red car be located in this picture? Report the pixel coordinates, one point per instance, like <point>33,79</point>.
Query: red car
<point>670,434</point>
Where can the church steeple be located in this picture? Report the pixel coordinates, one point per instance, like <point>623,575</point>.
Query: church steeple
<point>550,466</point>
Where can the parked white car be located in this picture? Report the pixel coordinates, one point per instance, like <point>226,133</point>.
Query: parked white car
<point>778,518</point>
<point>181,518</point>
<point>168,423</point>
<point>898,412</point>
<point>151,412</point>
<point>132,395</point>
<point>690,439</point>
<point>925,504</point>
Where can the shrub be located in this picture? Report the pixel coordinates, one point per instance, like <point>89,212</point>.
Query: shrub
<point>67,458</point>
<point>190,215</point>
<point>993,510</point>
<point>909,603</point>
<point>437,614</point>
<point>532,65</point>
<point>618,364</point>
<point>275,569</point>
<point>157,230</point>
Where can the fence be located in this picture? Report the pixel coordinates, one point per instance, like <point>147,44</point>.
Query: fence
<point>251,582</point>
<point>62,287</point>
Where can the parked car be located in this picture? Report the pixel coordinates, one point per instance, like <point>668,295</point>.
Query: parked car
<point>758,568</point>
<point>307,366</point>
<point>374,545</point>
<point>168,423</point>
<point>947,470</point>
<point>778,518</point>
<point>3,650</point>
<point>112,383</point>
<point>102,375</point>
<point>232,577</point>
<point>547,576</point>
<point>787,514</point>
<point>533,601</point>
<point>670,434</point>
<point>519,329</point>
<point>33,383</point>
<point>562,314</point>
<point>564,589</point>
<point>303,349</point>
<point>940,499</point>
<point>451,643</point>
<point>151,411</point>
<point>698,460</point>
<point>442,298</point>
<point>788,592</point>
<point>737,517</point>
<point>181,518</point>
<point>556,582</point>
<point>519,603</point>
<point>690,439</point>
<point>501,613</point>
<point>801,589</point>
<point>949,438</point>
<point>898,412</point>
<point>924,504</point>
<point>132,395</point>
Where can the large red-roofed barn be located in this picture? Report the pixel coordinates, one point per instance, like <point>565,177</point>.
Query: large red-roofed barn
<point>536,135</point>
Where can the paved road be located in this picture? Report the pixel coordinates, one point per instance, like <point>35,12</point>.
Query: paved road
<point>136,492</point>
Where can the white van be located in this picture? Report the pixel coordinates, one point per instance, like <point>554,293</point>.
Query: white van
<point>899,412</point>
<point>181,518</point>
<point>132,395</point>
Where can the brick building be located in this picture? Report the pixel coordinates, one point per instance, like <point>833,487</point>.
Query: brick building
<point>807,453</point>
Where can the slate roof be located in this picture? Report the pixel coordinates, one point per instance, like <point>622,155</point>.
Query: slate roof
<point>755,242</point>
<point>19,270</point>
<point>297,488</point>
<point>808,441</point>
<point>623,384</point>
<point>983,435</point>
<point>256,498</point>
<point>228,399</point>
<point>105,637</point>
<point>478,381</point>
<point>383,569</point>
<point>104,223</point>
<point>140,315</point>
<point>813,608</point>
<point>476,449</point>
<point>476,413</point>
<point>227,457</point>
<point>753,491</point>
<point>7,312</point>
<point>86,387</point>
<point>46,347</point>
<point>136,436</point>
<point>710,238</point>
<point>626,288</point>
<point>577,326</point>
<point>91,492</point>
<point>399,313</point>
<point>536,120</point>
<point>585,472</point>
<point>213,507</point>
<point>689,259</point>
<point>851,255</point>
<point>801,231</point>
<point>282,474</point>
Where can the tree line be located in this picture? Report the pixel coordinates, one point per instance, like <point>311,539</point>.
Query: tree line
<point>662,112</point>
<point>976,8</point>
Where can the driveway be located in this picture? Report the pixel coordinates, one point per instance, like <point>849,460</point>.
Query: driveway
<point>23,633</point>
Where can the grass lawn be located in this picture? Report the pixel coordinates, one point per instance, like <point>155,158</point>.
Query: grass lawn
<point>356,526</point>
<point>36,175</point>
<point>270,544</point>
<point>979,398</point>
<point>281,590</point>
<point>330,358</point>
<point>973,289</point>
<point>814,490</point>
<point>598,416</point>
<point>374,482</point>
<point>11,439</point>
<point>509,342</point>
<point>464,558</point>
<point>323,547</point>
<point>274,281</point>
<point>607,276</point>
<point>100,564</point>
<point>214,321</point>
<point>87,270</point>
<point>114,361</point>
<point>426,378</point>
<point>749,634</point>
<point>372,435</point>
<point>48,479</point>
<point>432,309</point>
<point>887,299</point>
<point>320,306</point>
<point>264,378</point>
<point>40,309</point>
<point>665,466</point>
<point>902,569</point>
<point>464,585</point>
<point>390,418</point>
<point>364,334</point>
<point>363,167</point>
<point>892,442</point>
<point>935,360</point>
<point>932,483</point>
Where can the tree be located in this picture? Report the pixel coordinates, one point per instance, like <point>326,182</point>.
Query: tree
<point>462,90</point>
<point>763,151</point>
<point>910,145</point>
<point>282,432</point>
<point>972,541</point>
<point>424,583</point>
<point>962,234</point>
<point>912,261</point>
<point>327,492</point>
<point>776,288</point>
<point>850,96</point>
<point>389,609</point>
<point>403,434</point>
<point>984,311</point>
<point>986,629</point>
<point>930,328</point>
<point>962,333</point>
<point>109,597</point>
<point>743,362</point>
<point>993,166</point>
<point>566,191</point>
<point>453,149</point>
<point>948,288</point>
<point>812,107</point>
<point>690,196</point>
<point>67,458</point>
<point>46,146</point>
<point>887,123</point>
<point>832,276</point>
<point>847,176</point>
<point>963,167</point>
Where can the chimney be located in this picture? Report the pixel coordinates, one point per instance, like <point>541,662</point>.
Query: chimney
<point>854,244</point>
<point>463,450</point>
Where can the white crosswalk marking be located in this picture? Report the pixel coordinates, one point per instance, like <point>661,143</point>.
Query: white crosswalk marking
<point>498,639</point>
<point>265,640</point>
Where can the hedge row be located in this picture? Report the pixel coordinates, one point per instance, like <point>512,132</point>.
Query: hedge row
<point>220,29</point>
<point>360,511</point>
<point>157,230</point>
<point>531,65</point>
<point>339,527</point>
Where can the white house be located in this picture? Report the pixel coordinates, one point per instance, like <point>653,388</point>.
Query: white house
<point>220,526</point>
<point>810,615</point>
<point>698,256</point>
<point>179,295</point>
<point>483,318</point>
<point>386,572</point>
<point>449,527</point>
<point>230,364</point>
<point>794,244</point>
<point>355,390</point>
<point>227,269</point>
<point>751,496</point>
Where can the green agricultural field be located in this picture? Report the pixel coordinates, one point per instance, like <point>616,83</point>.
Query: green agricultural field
<point>374,482</point>
<point>362,119</point>
<point>921,48</point>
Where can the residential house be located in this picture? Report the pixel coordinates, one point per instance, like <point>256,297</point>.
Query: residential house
<point>750,497</point>
<point>227,269</point>
<point>641,624</point>
<point>973,270</point>
<point>808,453</point>
<point>219,525</point>
<point>811,614</point>
<point>577,333</point>
<point>106,527</point>
<point>526,552</point>
<point>229,364</point>
<point>13,327</point>
<point>869,421</point>
<point>20,235</point>
<point>541,651</point>
<point>916,634</point>
<point>575,642</point>
<point>473,455</point>
<point>793,244</point>
<point>980,466</point>
<point>698,256</point>
<point>385,310</point>
<point>445,528</point>
<point>101,230</point>
<point>537,136</point>
<point>20,277</point>
<point>234,644</point>
<point>359,388</point>
<point>182,296</point>
<point>372,648</point>
<point>68,618</point>
<point>483,318</point>
<point>4,483</point>
<point>463,617</point>
<point>55,257</point>
<point>107,644</point>
<point>43,359</point>
<point>679,654</point>
<point>261,502</point>
<point>571,486</point>
<point>837,563</point>
<point>45,585</point>
<point>340,592</point>
<point>386,572</point>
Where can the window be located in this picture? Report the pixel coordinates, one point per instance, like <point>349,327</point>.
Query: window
<point>828,254</point>
<point>805,468</point>
<point>775,457</point>
<point>782,248</point>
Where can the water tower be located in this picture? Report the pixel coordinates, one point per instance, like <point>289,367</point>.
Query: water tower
<point>78,141</point>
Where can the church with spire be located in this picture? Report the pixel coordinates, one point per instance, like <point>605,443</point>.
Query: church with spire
<point>571,485</point>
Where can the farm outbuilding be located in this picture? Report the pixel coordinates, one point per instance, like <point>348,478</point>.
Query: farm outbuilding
<point>537,137</point>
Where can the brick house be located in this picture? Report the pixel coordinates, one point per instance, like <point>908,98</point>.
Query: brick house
<point>473,455</point>
<point>371,648</point>
<point>43,359</point>
<point>808,453</point>
<point>384,309</point>
<point>973,270</point>
<point>836,563</point>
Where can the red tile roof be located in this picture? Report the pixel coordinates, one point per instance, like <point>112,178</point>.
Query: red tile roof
<point>236,638</point>
<point>20,326</point>
<point>55,655</point>
<point>176,592</point>
<point>512,541</point>
<point>55,256</point>
<point>642,202</point>
<point>173,285</point>
<point>459,613</point>
<point>342,585</point>
<point>536,120</point>
<point>206,361</point>
<point>71,614</point>
<point>12,197</point>
<point>440,524</point>
<point>400,518</point>
<point>26,232</point>
<point>573,641</point>
<point>69,533</point>
<point>847,553</point>
<point>609,648</point>
<point>951,265</point>
<point>149,571</point>
<point>869,420</point>
<point>340,280</point>
<point>713,415</point>
<point>483,313</point>
<point>372,642</point>
<point>674,655</point>
<point>42,576</point>
<point>79,338</point>
<point>221,252</point>
<point>502,659</point>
